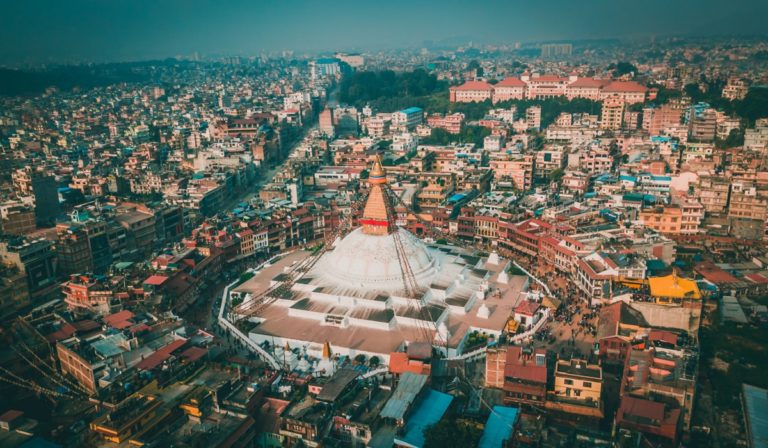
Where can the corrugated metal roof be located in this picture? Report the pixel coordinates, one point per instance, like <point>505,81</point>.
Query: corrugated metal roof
<point>407,389</point>
<point>756,404</point>
<point>499,427</point>
<point>429,411</point>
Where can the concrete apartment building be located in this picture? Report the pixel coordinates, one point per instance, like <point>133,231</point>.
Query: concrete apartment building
<point>408,119</point>
<point>17,219</point>
<point>656,119</point>
<point>34,258</point>
<point>612,115</point>
<point>451,123</point>
<point>756,139</point>
<point>667,219</point>
<point>521,372</point>
<point>748,201</point>
<point>517,168</point>
<point>533,117</point>
<point>704,126</point>
<point>713,193</point>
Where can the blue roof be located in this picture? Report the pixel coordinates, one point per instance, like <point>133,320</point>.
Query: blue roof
<point>429,411</point>
<point>499,426</point>
<point>756,407</point>
<point>604,178</point>
<point>590,194</point>
<point>665,178</point>
<point>628,178</point>
<point>457,197</point>
<point>609,214</point>
<point>327,61</point>
<point>412,110</point>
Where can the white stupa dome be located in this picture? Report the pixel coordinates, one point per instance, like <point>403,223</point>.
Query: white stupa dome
<point>364,261</point>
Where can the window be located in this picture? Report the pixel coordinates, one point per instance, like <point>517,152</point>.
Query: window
<point>587,384</point>
<point>568,382</point>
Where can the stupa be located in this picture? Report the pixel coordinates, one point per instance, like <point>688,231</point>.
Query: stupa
<point>355,297</point>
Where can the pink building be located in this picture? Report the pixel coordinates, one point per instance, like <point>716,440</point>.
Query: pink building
<point>451,123</point>
<point>509,89</point>
<point>548,86</point>
<point>545,86</point>
<point>471,92</point>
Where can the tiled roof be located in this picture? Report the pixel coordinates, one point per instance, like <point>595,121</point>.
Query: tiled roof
<point>474,85</point>
<point>519,367</point>
<point>157,358</point>
<point>625,86</point>
<point>589,82</point>
<point>511,82</point>
<point>155,280</point>
<point>548,78</point>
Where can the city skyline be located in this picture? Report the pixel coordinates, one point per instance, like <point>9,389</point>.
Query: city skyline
<point>85,31</point>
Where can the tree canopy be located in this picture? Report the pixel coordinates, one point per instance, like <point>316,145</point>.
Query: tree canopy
<point>623,68</point>
<point>368,87</point>
<point>449,433</point>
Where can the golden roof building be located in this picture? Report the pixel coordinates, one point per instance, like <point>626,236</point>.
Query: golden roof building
<point>673,290</point>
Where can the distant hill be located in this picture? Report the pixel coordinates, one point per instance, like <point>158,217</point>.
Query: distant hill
<point>33,82</point>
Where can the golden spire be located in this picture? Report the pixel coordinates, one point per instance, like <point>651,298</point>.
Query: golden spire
<point>377,219</point>
<point>377,175</point>
<point>327,350</point>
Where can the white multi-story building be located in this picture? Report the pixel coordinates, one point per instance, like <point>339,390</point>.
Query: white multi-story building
<point>756,139</point>
<point>533,117</point>
<point>408,119</point>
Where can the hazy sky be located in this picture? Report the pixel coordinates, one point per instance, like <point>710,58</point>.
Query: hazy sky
<point>66,30</point>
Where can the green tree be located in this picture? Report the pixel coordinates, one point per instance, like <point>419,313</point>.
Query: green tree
<point>754,105</point>
<point>363,87</point>
<point>735,139</point>
<point>623,68</point>
<point>474,65</point>
<point>556,175</point>
<point>450,433</point>
<point>664,94</point>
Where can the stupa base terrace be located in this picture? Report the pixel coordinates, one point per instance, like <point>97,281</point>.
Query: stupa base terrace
<point>353,299</point>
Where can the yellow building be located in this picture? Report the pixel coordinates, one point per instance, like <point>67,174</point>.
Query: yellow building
<point>197,403</point>
<point>668,219</point>
<point>578,381</point>
<point>673,290</point>
<point>137,415</point>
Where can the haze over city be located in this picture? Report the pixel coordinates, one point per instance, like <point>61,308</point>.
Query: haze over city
<point>46,31</point>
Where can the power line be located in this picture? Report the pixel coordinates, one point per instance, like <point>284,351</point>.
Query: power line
<point>62,380</point>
